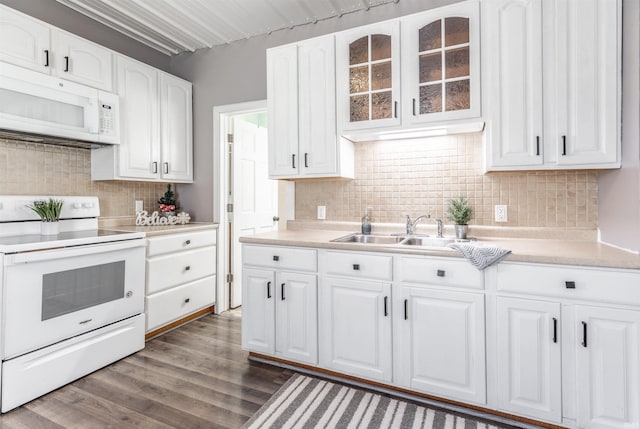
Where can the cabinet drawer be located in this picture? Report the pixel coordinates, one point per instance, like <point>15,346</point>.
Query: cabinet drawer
<point>280,257</point>
<point>438,271</point>
<point>173,269</point>
<point>169,305</point>
<point>358,265</point>
<point>177,242</point>
<point>592,284</point>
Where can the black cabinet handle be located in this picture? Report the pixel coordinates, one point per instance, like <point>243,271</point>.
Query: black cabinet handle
<point>268,290</point>
<point>386,312</point>
<point>186,301</point>
<point>570,285</point>
<point>356,267</point>
<point>46,58</point>
<point>564,145</point>
<point>187,268</point>
<point>406,309</point>
<point>413,106</point>
<point>293,160</point>
<point>282,292</point>
<point>584,334</point>
<point>276,258</point>
<point>306,160</point>
<point>188,242</point>
<point>440,273</point>
<point>555,330</point>
<point>395,109</point>
<point>537,145</point>
<point>66,63</point>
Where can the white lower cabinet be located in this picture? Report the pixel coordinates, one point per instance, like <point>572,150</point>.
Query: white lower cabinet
<point>279,309</point>
<point>440,342</point>
<point>528,342</point>
<point>355,327</point>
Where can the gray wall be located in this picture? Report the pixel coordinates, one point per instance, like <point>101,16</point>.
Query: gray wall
<point>619,190</point>
<point>236,73</point>
<point>68,19</point>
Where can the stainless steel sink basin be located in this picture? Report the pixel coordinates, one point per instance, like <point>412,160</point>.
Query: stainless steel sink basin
<point>370,239</point>
<point>428,241</point>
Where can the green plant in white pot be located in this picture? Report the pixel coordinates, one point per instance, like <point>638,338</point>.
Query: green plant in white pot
<point>49,212</point>
<point>459,211</point>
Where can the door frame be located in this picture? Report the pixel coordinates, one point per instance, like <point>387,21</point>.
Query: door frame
<point>221,116</point>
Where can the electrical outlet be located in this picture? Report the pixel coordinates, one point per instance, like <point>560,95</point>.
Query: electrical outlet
<point>501,213</point>
<point>139,206</point>
<point>322,212</point>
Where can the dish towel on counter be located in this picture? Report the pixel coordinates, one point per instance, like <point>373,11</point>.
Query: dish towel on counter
<point>480,255</point>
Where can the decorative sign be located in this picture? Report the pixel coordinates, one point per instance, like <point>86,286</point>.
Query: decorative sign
<point>143,219</point>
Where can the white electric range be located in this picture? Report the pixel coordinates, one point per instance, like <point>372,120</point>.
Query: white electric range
<point>71,302</point>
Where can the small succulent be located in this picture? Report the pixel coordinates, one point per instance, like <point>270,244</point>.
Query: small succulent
<point>459,211</point>
<point>49,211</point>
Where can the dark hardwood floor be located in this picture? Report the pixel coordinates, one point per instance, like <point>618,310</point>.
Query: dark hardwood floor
<point>195,376</point>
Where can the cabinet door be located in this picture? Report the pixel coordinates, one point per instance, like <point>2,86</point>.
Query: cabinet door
<point>368,76</point>
<point>258,311</point>
<point>582,81</point>
<point>607,367</point>
<point>441,64</point>
<point>177,129</point>
<point>139,149</point>
<point>24,41</point>
<point>81,61</point>
<point>355,327</point>
<point>529,379</point>
<point>512,83</point>
<point>297,317</point>
<point>282,108</point>
<point>440,348</point>
<point>317,108</point>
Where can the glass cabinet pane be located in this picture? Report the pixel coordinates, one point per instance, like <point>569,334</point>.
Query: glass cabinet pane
<point>359,51</point>
<point>430,67</point>
<point>359,108</point>
<point>457,62</point>
<point>381,105</point>
<point>456,31</point>
<point>380,47</point>
<point>431,99</point>
<point>381,76</point>
<point>458,95</point>
<point>430,36</point>
<point>358,79</point>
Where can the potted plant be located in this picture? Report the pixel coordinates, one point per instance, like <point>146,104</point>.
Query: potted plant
<point>459,211</point>
<point>49,212</point>
<point>168,202</point>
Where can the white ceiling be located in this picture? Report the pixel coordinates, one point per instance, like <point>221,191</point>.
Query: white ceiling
<point>175,26</point>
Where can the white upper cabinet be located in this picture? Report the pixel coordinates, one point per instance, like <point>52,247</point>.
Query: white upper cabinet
<point>441,64</point>
<point>82,61</point>
<point>176,128</point>
<point>551,94</point>
<point>301,103</point>
<point>368,76</point>
<point>24,41</point>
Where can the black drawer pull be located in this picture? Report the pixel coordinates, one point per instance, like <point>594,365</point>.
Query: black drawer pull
<point>440,273</point>
<point>293,160</point>
<point>356,267</point>
<point>584,334</point>
<point>187,268</point>
<point>188,242</point>
<point>414,106</point>
<point>46,58</point>
<point>555,330</point>
<point>537,145</point>
<point>306,160</point>
<point>66,64</point>
<point>186,301</point>
<point>276,258</point>
<point>570,285</point>
<point>282,292</point>
<point>268,290</point>
<point>406,309</point>
<point>386,312</point>
<point>564,145</point>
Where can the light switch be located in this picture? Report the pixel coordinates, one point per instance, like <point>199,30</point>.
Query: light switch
<point>322,212</point>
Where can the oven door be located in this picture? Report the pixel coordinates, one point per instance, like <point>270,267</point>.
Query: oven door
<point>52,295</point>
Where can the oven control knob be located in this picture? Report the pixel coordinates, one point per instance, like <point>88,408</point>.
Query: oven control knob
<point>129,294</point>
<point>77,205</point>
<point>87,205</point>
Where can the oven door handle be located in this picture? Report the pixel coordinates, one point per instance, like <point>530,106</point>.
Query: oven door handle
<point>70,252</point>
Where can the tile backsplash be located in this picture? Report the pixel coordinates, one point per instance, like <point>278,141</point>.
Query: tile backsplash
<point>396,178</point>
<point>39,169</point>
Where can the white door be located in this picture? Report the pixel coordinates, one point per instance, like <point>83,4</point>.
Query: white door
<point>81,61</point>
<point>607,367</point>
<point>296,317</point>
<point>258,320</point>
<point>355,327</point>
<point>24,41</point>
<point>177,129</point>
<point>253,194</point>
<point>529,379</point>
<point>441,344</point>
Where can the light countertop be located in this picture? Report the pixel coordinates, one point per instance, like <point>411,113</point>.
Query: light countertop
<point>535,250</point>
<point>155,230</point>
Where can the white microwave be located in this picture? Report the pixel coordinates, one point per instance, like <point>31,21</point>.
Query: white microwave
<point>36,103</point>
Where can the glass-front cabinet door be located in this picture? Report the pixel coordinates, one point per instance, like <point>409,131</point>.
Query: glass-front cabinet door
<point>441,64</point>
<point>368,76</point>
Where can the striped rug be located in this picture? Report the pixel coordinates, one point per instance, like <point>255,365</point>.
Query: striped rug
<point>306,402</point>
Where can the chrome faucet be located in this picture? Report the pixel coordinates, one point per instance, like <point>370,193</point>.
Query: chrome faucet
<point>411,225</point>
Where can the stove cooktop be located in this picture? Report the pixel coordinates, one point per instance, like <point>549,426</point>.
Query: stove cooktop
<point>31,242</point>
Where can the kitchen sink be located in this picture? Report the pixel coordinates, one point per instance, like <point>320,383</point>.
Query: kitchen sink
<point>428,241</point>
<point>370,239</point>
